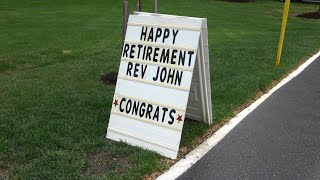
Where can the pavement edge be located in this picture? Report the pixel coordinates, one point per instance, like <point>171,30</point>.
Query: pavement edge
<point>184,164</point>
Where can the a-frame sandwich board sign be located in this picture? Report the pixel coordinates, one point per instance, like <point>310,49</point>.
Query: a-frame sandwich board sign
<point>156,75</point>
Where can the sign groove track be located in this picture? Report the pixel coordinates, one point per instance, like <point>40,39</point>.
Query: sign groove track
<point>150,102</point>
<point>146,121</point>
<point>164,26</point>
<point>153,44</point>
<point>141,139</point>
<point>155,83</point>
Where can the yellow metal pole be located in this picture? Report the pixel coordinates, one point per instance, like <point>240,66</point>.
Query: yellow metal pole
<point>283,29</point>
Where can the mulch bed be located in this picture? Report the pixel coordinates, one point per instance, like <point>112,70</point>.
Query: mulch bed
<point>110,78</point>
<point>310,15</point>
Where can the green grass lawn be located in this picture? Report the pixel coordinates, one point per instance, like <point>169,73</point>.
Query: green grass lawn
<point>54,109</point>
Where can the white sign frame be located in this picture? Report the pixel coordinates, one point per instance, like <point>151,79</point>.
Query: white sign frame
<point>153,135</point>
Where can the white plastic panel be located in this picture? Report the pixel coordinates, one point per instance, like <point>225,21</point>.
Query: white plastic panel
<point>138,82</point>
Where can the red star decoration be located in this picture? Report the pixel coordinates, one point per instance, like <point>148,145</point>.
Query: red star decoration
<point>179,118</point>
<point>115,102</point>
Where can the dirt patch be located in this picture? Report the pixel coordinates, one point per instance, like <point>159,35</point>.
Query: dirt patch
<point>3,174</point>
<point>66,51</point>
<point>310,15</point>
<point>121,164</point>
<point>152,176</point>
<point>110,78</point>
<point>100,163</point>
<point>240,1</point>
<point>5,59</point>
<point>2,58</point>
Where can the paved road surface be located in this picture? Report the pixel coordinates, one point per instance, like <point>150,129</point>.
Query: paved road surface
<point>280,139</point>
